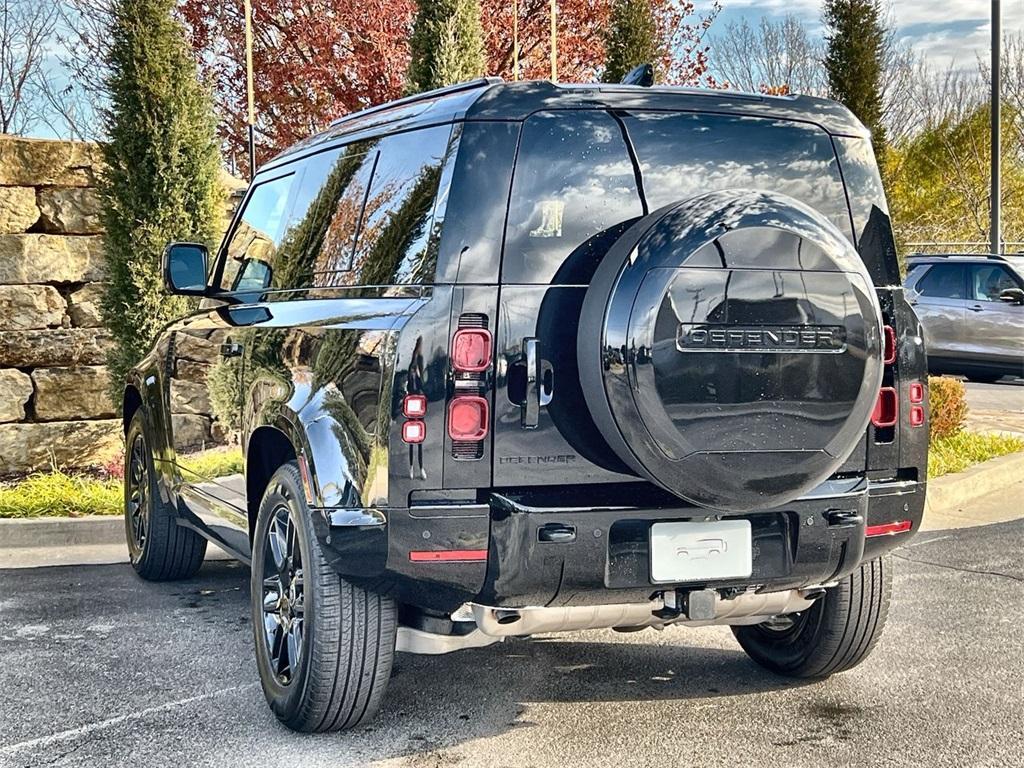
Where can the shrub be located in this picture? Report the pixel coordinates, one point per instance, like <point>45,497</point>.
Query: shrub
<point>160,178</point>
<point>948,401</point>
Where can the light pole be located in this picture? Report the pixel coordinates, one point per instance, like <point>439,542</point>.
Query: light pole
<point>515,39</point>
<point>995,239</point>
<point>554,41</point>
<point>249,89</point>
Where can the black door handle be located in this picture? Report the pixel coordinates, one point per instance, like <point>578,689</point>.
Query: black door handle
<point>231,349</point>
<point>976,308</point>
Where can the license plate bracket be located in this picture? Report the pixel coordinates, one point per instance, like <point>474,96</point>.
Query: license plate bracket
<point>701,551</point>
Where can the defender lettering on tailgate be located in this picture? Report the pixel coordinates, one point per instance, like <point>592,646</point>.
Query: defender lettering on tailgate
<point>827,339</point>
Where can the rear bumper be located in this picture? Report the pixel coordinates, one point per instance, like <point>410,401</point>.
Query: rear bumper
<point>514,552</point>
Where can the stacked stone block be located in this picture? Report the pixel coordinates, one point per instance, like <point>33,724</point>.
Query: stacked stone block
<point>54,407</point>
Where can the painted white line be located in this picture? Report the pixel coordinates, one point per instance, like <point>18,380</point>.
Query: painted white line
<point>85,730</point>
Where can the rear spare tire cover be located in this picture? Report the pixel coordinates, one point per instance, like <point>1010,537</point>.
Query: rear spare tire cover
<point>730,349</point>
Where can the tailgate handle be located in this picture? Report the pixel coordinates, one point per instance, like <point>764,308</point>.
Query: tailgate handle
<point>539,384</point>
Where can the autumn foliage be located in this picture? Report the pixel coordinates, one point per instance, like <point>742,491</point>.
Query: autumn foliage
<point>316,60</point>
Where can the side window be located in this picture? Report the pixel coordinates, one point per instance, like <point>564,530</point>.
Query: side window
<point>573,193</point>
<point>253,246</point>
<point>988,281</point>
<point>943,281</point>
<point>396,242</point>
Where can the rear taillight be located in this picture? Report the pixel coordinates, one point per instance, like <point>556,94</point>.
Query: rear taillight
<point>889,349</point>
<point>468,417</point>
<point>414,406</point>
<point>916,395</point>
<point>471,350</point>
<point>886,408</point>
<point>414,431</point>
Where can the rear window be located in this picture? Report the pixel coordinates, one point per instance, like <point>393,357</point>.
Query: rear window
<point>575,187</point>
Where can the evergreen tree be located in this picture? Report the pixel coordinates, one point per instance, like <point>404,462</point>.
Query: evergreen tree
<point>160,179</point>
<point>853,61</point>
<point>631,39</point>
<point>447,44</point>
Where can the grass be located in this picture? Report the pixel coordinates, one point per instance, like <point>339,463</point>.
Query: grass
<point>215,462</point>
<point>63,494</point>
<point>59,494</point>
<point>958,452</point>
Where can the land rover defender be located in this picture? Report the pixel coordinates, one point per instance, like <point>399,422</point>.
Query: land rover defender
<point>515,358</point>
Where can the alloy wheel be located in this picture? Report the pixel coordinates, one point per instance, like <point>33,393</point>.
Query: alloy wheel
<point>138,493</point>
<point>283,596</point>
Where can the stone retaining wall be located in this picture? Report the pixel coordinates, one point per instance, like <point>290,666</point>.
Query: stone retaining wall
<point>54,407</point>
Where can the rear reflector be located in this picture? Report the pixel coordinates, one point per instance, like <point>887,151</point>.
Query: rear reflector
<point>467,418</point>
<point>471,350</point>
<point>414,406</point>
<point>889,355</point>
<point>887,529</point>
<point>886,408</point>
<point>448,555</point>
<point>916,415</point>
<point>916,392</point>
<point>414,431</point>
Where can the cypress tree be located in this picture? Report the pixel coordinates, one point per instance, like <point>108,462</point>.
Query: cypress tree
<point>447,44</point>
<point>853,61</point>
<point>631,39</point>
<point>160,179</point>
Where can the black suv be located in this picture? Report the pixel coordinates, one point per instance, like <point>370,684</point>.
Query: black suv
<point>506,359</point>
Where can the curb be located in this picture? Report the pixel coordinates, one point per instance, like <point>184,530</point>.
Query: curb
<point>951,492</point>
<point>945,495</point>
<point>39,532</point>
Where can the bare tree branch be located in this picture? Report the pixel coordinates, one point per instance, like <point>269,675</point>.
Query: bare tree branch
<point>26,27</point>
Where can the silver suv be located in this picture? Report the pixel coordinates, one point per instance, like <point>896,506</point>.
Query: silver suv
<point>972,310</point>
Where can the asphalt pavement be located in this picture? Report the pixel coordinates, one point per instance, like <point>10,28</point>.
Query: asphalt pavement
<point>102,669</point>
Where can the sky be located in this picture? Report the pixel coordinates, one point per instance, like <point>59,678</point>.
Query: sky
<point>945,32</point>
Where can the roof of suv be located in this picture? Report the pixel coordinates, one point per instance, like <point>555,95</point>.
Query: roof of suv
<point>1013,261</point>
<point>495,99</point>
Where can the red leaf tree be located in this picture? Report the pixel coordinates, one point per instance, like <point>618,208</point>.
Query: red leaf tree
<point>316,60</point>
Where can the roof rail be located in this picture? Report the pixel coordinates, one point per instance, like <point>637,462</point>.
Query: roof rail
<point>994,256</point>
<point>469,85</point>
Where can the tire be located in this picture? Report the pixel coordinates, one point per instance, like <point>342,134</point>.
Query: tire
<point>835,634</point>
<point>334,641</point>
<point>159,548</point>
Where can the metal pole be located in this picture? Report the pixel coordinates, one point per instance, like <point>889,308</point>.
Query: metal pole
<point>249,89</point>
<point>554,41</point>
<point>995,228</point>
<point>515,39</point>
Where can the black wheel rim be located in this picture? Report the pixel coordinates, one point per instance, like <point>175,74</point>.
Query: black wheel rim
<point>137,506</point>
<point>284,608</point>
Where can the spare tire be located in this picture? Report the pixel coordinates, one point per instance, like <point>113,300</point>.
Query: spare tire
<point>730,349</point>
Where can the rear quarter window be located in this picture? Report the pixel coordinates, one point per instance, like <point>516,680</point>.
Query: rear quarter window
<point>573,193</point>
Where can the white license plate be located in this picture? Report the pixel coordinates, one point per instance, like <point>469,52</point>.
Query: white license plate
<point>701,551</point>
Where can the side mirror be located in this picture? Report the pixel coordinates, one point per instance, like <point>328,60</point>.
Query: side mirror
<point>185,269</point>
<point>1012,296</point>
